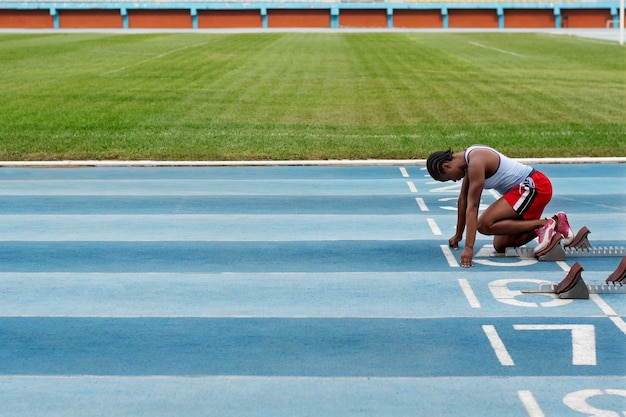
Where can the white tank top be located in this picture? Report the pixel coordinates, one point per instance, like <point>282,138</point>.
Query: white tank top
<point>509,174</point>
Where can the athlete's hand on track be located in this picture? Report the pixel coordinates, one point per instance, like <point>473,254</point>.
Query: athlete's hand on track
<point>454,241</point>
<point>466,257</point>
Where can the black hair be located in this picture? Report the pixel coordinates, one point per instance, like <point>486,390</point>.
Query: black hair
<point>435,162</point>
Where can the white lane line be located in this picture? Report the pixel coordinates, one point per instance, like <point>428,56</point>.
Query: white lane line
<point>564,266</point>
<point>610,313</point>
<point>412,186</point>
<point>152,59</point>
<point>498,346</point>
<point>583,340</point>
<point>469,293</point>
<point>421,204</point>
<point>404,172</point>
<point>449,256</point>
<point>332,162</point>
<point>433,227</point>
<point>496,195</point>
<point>480,45</point>
<point>530,404</point>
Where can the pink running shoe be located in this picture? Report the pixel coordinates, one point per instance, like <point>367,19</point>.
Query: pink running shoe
<point>562,226</point>
<point>545,235</point>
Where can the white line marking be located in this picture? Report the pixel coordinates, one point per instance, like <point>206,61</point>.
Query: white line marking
<point>152,59</point>
<point>583,340</point>
<point>421,204</point>
<point>530,404</point>
<point>412,186</point>
<point>496,195</point>
<point>497,49</point>
<point>449,256</point>
<point>404,172</point>
<point>606,309</point>
<point>611,314</point>
<point>433,226</point>
<point>331,162</point>
<point>469,293</point>
<point>564,266</point>
<point>485,251</point>
<point>498,346</point>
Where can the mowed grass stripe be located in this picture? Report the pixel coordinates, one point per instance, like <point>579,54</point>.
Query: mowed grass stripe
<point>307,95</point>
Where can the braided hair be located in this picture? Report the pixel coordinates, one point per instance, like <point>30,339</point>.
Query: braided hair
<point>435,162</point>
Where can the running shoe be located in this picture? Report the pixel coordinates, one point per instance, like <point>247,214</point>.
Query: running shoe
<point>545,235</point>
<point>562,226</point>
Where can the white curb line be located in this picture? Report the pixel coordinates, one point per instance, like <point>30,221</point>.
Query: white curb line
<point>334,162</point>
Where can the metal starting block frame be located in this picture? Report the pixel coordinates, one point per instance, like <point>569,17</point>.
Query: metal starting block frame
<point>574,287</point>
<point>592,288</point>
<point>580,291</point>
<point>559,253</point>
<point>579,247</point>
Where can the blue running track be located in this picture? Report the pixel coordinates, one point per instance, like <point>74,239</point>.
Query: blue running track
<point>294,291</point>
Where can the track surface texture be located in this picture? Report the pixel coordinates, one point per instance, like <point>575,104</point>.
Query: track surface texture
<point>295,291</point>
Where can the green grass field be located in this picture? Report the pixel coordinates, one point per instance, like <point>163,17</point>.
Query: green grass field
<point>194,96</point>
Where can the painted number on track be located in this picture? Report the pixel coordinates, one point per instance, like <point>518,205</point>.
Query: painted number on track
<point>579,401</point>
<point>502,293</point>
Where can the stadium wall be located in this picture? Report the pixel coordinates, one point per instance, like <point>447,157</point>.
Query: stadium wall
<point>417,14</point>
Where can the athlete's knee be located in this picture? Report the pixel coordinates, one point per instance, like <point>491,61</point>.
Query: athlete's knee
<point>484,226</point>
<point>501,242</point>
<point>500,246</point>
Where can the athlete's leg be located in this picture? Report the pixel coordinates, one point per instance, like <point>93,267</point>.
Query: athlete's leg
<point>508,228</point>
<point>514,217</point>
<point>501,242</point>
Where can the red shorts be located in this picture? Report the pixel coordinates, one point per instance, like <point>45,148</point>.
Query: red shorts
<point>529,198</point>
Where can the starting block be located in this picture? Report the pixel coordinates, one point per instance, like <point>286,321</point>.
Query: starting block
<point>581,240</point>
<point>619,275</point>
<point>579,247</point>
<point>554,250</point>
<point>574,287</point>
